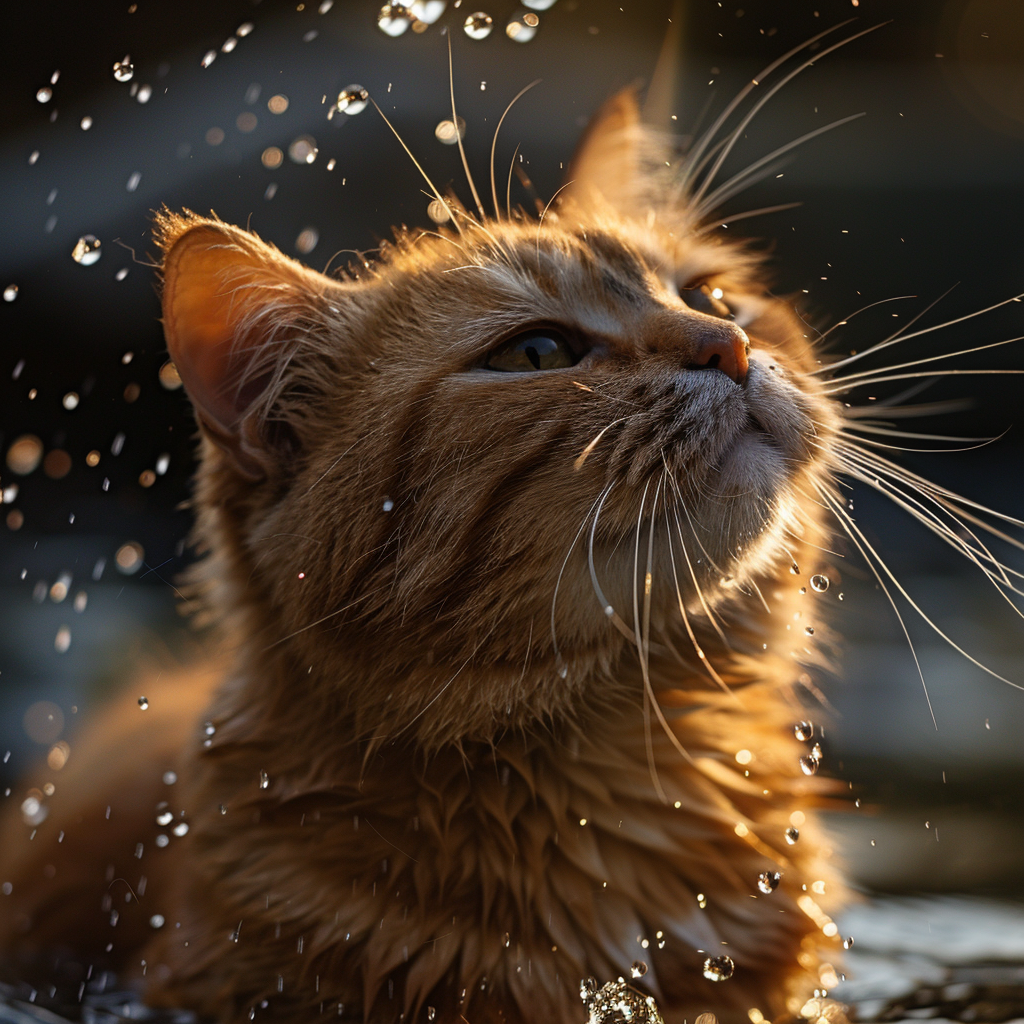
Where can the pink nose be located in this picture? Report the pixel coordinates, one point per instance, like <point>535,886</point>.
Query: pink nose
<point>725,351</point>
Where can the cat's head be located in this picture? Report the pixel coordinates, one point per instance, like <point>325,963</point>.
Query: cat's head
<point>473,458</point>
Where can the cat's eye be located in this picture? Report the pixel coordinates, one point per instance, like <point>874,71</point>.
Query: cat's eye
<point>704,298</point>
<point>542,349</point>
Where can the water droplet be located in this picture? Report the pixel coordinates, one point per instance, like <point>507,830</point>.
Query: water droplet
<point>445,131</point>
<point>848,942</point>
<point>394,19</point>
<point>244,29</point>
<point>165,818</point>
<point>809,630</point>
<point>124,69</point>
<point>538,5</point>
<point>156,921</point>
<point>143,703</point>
<point>388,505</point>
<point>521,28</point>
<point>792,835</point>
<point>588,989</point>
<point>129,557</point>
<point>181,828</point>
<point>33,810</point>
<point>170,778</point>
<point>478,25</point>
<point>303,150</point>
<point>307,240</point>
<point>768,881</point>
<point>638,969</point>
<point>70,401</point>
<point>162,462</point>
<point>87,250</point>
<point>719,968</point>
<point>45,94</point>
<point>62,641</point>
<point>803,731</point>
<point>841,596</point>
<point>208,58</point>
<point>816,752</point>
<point>325,6</point>
<point>264,780</point>
<point>144,94</point>
<point>351,100</point>
<point>431,1013</point>
<point>794,569</point>
<point>820,583</point>
<point>81,600</point>
<point>428,11</point>
<point>228,45</point>
<point>86,123</point>
<point>809,765</point>
<point>169,376</point>
<point>277,104</point>
<point>10,293</point>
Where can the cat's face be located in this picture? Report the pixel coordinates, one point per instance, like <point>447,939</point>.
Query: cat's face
<point>599,404</point>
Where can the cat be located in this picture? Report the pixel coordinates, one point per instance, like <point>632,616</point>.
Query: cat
<point>500,533</point>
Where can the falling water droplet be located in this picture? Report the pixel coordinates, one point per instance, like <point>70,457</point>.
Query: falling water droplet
<point>428,11</point>
<point>820,583</point>
<point>124,69</point>
<point>394,19</point>
<point>165,818</point>
<point>478,25</point>
<point>143,703</point>
<point>848,942</point>
<point>445,131</point>
<point>10,293</point>
<point>303,149</point>
<point>768,881</point>
<point>87,250</point>
<point>208,58</point>
<point>264,780</point>
<point>45,94</point>
<point>181,828</point>
<point>521,28</point>
<point>809,765</point>
<point>803,731</point>
<point>351,100</point>
<point>62,641</point>
<point>792,835</point>
<point>638,969</point>
<point>431,1013</point>
<point>719,968</point>
<point>156,921</point>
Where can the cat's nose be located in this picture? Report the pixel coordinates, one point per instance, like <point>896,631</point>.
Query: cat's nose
<point>724,347</point>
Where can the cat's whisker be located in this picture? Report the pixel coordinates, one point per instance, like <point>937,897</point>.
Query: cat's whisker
<point>494,144</point>
<point>508,187</point>
<point>841,387</point>
<point>849,528</point>
<point>853,531</point>
<point>873,428</point>
<point>983,442</point>
<point>591,445</point>
<point>696,159</point>
<point>339,611</point>
<point>722,221</point>
<point>737,132</point>
<point>458,135</point>
<point>748,175</point>
<point>426,177</point>
<point>561,571</point>
<point>711,617</point>
<point>850,377</point>
<point>609,610</point>
<point>899,336</point>
<point>847,319</point>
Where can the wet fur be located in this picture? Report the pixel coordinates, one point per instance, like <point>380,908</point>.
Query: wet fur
<point>434,695</point>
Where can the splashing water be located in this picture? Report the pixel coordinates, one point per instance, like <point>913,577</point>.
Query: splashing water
<point>617,1002</point>
<point>478,25</point>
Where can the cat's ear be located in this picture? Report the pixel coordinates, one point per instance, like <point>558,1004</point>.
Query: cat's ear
<point>228,301</point>
<point>614,158</point>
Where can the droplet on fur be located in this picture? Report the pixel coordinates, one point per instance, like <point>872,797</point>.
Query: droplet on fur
<point>794,569</point>
<point>768,881</point>
<point>638,969</point>
<point>820,583</point>
<point>803,731</point>
<point>264,780</point>
<point>848,942</point>
<point>394,19</point>
<point>792,835</point>
<point>719,968</point>
<point>87,250</point>
<point>588,989</point>
<point>478,25</point>
<point>809,765</point>
<point>124,69</point>
<point>143,703</point>
<point>809,630</point>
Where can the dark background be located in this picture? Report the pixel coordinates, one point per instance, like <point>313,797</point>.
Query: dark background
<point>924,193</point>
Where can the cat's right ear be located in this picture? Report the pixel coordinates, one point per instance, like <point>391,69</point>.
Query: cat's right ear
<point>229,300</point>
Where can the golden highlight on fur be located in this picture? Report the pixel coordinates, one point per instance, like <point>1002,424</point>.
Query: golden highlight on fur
<point>506,688</point>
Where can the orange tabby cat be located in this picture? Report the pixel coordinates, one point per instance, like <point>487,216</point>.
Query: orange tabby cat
<point>486,525</point>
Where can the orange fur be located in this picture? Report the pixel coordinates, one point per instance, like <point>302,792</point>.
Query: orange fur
<point>437,777</point>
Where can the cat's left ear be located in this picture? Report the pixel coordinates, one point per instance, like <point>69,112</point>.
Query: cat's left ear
<point>615,159</point>
<point>230,302</point>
